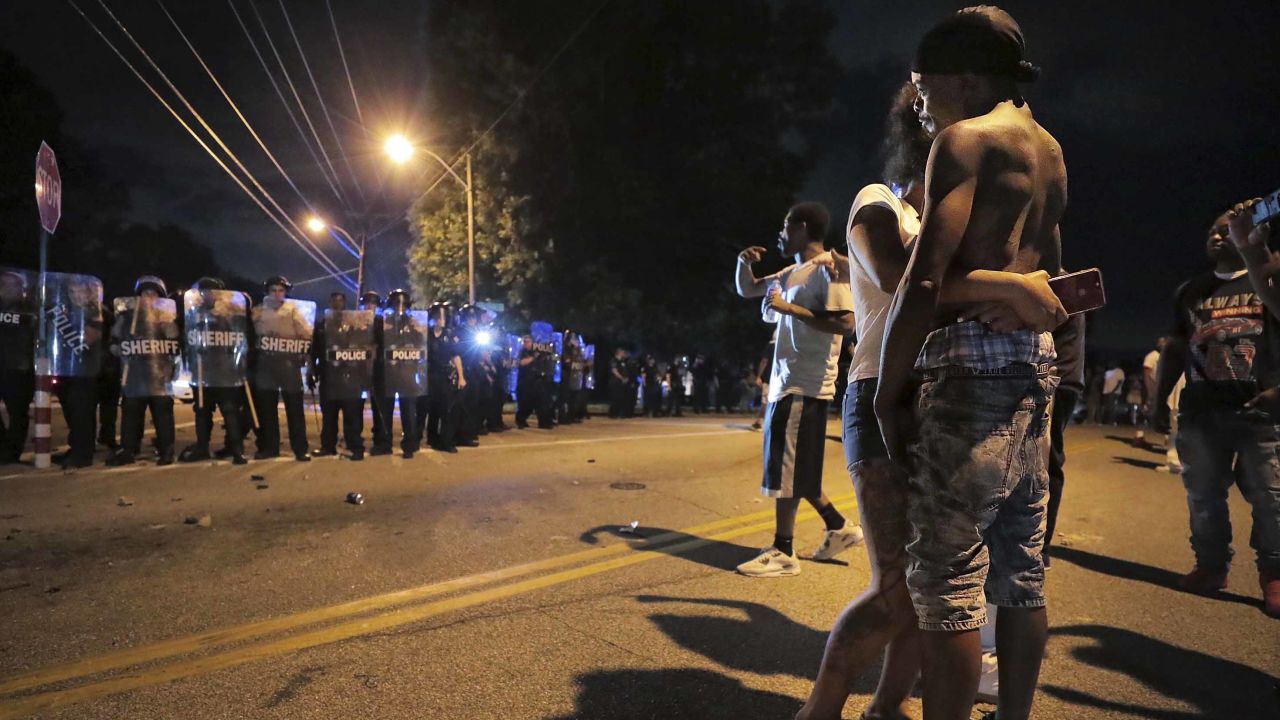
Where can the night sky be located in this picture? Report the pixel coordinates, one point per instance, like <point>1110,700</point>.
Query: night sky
<point>1165,117</point>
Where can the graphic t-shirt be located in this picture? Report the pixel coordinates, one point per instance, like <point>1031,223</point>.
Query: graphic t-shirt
<point>1232,342</point>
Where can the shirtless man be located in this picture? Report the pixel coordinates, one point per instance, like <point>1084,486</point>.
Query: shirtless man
<point>974,435</point>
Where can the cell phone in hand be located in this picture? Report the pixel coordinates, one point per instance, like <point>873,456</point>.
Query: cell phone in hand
<point>1080,291</point>
<point>1267,209</point>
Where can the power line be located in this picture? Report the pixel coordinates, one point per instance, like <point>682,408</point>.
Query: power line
<point>263,62</point>
<point>301,107</point>
<point>323,106</point>
<point>215,135</point>
<point>192,132</point>
<point>345,68</point>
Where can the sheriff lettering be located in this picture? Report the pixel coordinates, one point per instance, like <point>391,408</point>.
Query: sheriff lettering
<point>215,338</point>
<point>129,348</point>
<point>292,346</point>
<point>348,355</point>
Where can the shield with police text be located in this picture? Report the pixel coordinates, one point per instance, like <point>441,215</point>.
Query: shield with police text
<point>73,324</point>
<point>217,337</point>
<point>147,339</point>
<point>18,295</point>
<point>404,352</point>
<point>348,354</point>
<point>283,331</point>
<point>589,374</point>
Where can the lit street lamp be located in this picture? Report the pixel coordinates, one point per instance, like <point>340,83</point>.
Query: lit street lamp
<point>318,226</point>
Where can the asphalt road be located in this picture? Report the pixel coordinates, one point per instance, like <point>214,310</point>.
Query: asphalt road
<point>497,583</point>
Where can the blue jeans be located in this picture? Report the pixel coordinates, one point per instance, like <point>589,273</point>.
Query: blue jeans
<point>1208,443</point>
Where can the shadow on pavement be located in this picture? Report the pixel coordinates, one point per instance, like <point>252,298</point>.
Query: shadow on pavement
<point>1138,445</point>
<point>1216,688</point>
<point>1135,462</point>
<point>715,553</point>
<point>673,693</point>
<point>1130,570</point>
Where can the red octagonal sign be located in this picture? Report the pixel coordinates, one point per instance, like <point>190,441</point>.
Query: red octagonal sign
<point>48,188</point>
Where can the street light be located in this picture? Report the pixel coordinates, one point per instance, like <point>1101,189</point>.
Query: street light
<point>400,150</point>
<point>316,225</point>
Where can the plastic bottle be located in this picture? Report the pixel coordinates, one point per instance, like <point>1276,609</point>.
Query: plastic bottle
<point>766,310</point>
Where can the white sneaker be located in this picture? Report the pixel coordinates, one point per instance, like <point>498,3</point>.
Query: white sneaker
<point>771,562</point>
<point>835,542</point>
<point>989,683</point>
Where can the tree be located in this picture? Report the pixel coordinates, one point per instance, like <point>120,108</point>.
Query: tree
<point>664,139</point>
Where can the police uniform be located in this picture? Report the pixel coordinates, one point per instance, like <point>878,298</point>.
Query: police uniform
<point>222,373</point>
<point>277,374</point>
<point>17,362</point>
<point>537,367</point>
<point>147,342</point>
<point>442,393</point>
<point>340,384</point>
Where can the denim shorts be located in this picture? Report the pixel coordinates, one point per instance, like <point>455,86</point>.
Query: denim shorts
<point>862,439</point>
<point>978,490</point>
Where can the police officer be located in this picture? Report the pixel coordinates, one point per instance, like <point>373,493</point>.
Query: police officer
<point>146,339</point>
<point>107,389</point>
<point>652,386</point>
<point>371,300</point>
<point>77,388</point>
<point>339,390</point>
<point>572,386</point>
<point>471,340</point>
<point>618,383</point>
<point>17,361</point>
<point>277,375</point>
<point>446,378</point>
<point>500,354</point>
<point>224,396</point>
<point>401,331</point>
<point>533,387</point>
<point>676,375</point>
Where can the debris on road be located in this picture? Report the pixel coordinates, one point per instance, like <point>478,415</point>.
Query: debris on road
<point>627,486</point>
<point>263,486</point>
<point>591,460</point>
<point>124,501</point>
<point>204,521</point>
<point>54,589</point>
<point>158,526</point>
<point>575,482</point>
<point>355,498</point>
<point>175,499</point>
<point>256,476</point>
<point>630,529</point>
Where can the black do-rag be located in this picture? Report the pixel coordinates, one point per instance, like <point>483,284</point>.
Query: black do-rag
<point>982,40</point>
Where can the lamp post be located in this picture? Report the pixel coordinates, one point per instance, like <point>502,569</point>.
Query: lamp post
<point>400,150</point>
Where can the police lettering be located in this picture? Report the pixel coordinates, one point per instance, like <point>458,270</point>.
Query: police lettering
<point>67,330</point>
<point>215,338</point>
<point>149,347</point>
<point>10,318</point>
<point>403,354</point>
<point>284,345</point>
<point>348,355</point>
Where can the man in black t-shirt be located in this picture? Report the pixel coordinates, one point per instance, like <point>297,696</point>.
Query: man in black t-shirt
<point>1227,340</point>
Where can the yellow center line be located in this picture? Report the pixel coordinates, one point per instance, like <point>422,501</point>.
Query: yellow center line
<point>343,631</point>
<point>223,636</point>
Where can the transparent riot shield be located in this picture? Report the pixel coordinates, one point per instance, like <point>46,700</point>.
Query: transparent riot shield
<point>589,374</point>
<point>18,297</point>
<point>404,352</point>
<point>146,333</point>
<point>348,354</point>
<point>283,332</point>
<point>73,324</point>
<point>217,340</point>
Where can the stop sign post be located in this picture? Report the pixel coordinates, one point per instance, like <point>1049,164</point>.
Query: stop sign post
<point>49,203</point>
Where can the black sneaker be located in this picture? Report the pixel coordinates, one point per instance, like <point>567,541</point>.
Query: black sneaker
<point>223,453</point>
<point>407,454</point>
<point>166,458</point>
<point>119,458</point>
<point>264,455</point>
<point>193,453</point>
<point>380,450</point>
<point>324,452</point>
<point>302,457</point>
<point>356,455</point>
<point>471,443</point>
<point>239,460</point>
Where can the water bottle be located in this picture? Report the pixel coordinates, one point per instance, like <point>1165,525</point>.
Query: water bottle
<point>766,310</point>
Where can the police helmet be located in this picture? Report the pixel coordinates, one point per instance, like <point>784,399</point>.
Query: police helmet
<point>280,280</point>
<point>440,314</point>
<point>370,299</point>
<point>150,282</point>
<point>209,283</point>
<point>399,299</point>
<point>468,312</point>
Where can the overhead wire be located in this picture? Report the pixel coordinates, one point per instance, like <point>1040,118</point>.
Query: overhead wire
<point>212,133</point>
<point>200,140</point>
<point>345,68</point>
<point>324,107</point>
<point>301,106</point>
<point>288,110</point>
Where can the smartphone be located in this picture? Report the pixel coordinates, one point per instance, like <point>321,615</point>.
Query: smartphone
<point>1080,291</point>
<point>1268,209</point>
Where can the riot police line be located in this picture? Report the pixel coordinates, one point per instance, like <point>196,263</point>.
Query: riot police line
<point>449,371</point>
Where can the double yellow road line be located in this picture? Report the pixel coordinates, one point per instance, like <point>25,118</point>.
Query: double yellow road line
<point>167,661</point>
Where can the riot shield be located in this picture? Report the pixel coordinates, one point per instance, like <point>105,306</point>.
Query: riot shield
<point>217,340</point>
<point>512,346</point>
<point>349,352</point>
<point>546,342</point>
<point>19,291</point>
<point>146,332</point>
<point>73,324</point>
<point>283,331</point>
<point>589,373</point>
<point>404,352</point>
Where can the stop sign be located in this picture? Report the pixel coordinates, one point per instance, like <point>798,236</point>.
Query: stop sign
<point>48,188</point>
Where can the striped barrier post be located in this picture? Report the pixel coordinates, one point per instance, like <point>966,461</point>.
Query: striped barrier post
<point>43,414</point>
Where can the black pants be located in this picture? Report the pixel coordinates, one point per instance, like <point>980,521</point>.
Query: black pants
<point>653,400</point>
<point>131,422</point>
<point>675,403</point>
<point>227,401</point>
<point>78,397</point>
<point>352,410</point>
<point>17,390</point>
<point>617,398</point>
<point>535,398</point>
<point>266,400</point>
<point>1064,404</point>
<point>381,435</point>
<point>442,416</point>
<point>411,435</point>
<point>701,398</point>
<point>493,410</point>
<point>108,399</point>
<point>468,411</point>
